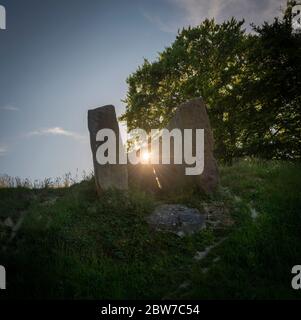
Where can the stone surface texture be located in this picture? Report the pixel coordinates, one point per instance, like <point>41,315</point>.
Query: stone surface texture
<point>177,219</point>
<point>109,175</point>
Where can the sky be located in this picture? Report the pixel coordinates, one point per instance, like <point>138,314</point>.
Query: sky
<point>59,58</point>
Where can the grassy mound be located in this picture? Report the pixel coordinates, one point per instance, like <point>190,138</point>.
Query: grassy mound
<point>74,245</point>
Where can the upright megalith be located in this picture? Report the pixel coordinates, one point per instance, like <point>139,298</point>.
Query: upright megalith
<point>106,175</point>
<point>173,175</point>
<point>190,115</point>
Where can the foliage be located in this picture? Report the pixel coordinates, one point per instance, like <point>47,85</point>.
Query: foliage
<point>250,83</point>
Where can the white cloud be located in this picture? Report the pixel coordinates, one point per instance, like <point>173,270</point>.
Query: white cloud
<point>57,131</point>
<point>9,108</point>
<point>3,151</point>
<point>163,26</point>
<point>193,12</point>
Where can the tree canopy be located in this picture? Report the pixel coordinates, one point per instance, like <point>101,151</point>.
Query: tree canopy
<point>250,82</point>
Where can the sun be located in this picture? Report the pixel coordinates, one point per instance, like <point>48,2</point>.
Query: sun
<point>145,157</point>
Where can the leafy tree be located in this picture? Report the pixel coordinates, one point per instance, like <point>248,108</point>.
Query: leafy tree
<point>250,83</point>
<point>271,93</point>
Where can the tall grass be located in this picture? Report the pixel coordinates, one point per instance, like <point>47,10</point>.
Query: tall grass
<point>65,181</point>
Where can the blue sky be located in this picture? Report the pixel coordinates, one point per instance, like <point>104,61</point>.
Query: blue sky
<point>58,58</point>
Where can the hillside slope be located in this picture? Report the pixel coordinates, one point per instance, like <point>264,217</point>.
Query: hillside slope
<point>72,244</point>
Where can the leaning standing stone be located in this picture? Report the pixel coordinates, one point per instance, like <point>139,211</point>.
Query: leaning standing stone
<point>190,115</point>
<point>107,175</point>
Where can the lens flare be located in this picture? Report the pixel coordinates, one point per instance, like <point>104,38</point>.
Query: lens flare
<point>145,157</point>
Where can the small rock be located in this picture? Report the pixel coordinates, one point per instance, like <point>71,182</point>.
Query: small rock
<point>181,234</point>
<point>200,255</point>
<point>178,219</point>
<point>8,222</point>
<point>254,213</point>
<point>184,285</point>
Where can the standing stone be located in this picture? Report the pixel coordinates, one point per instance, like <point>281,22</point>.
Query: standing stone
<point>190,115</point>
<point>170,177</point>
<point>108,175</point>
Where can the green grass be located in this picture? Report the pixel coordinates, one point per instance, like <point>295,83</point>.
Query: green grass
<point>74,245</point>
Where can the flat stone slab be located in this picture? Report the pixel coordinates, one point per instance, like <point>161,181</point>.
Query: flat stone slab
<point>177,219</point>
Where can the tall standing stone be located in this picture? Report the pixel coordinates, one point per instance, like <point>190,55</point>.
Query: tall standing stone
<point>169,177</point>
<point>107,175</point>
<point>190,115</point>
